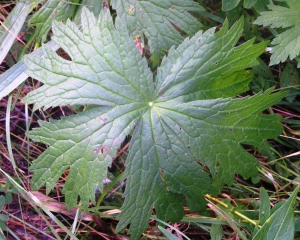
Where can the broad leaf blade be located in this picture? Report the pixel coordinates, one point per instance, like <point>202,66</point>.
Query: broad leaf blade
<point>75,141</point>
<point>85,143</point>
<point>197,70</point>
<point>217,128</point>
<point>155,162</point>
<point>100,80</point>
<point>186,120</point>
<point>281,223</point>
<point>154,18</point>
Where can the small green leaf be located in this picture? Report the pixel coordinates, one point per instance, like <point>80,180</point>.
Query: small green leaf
<point>249,3</point>
<point>3,227</point>
<point>297,224</point>
<point>216,232</point>
<point>285,44</point>
<point>8,197</point>
<point>264,209</point>
<point>281,223</point>
<point>263,77</point>
<point>51,10</point>
<point>227,5</point>
<point>3,217</point>
<point>290,78</point>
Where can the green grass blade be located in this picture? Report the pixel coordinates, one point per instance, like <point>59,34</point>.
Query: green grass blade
<point>13,77</point>
<point>10,28</point>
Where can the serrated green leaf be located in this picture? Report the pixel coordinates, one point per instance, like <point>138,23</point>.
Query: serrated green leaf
<point>290,78</point>
<point>51,10</point>
<point>281,223</point>
<point>185,120</point>
<point>156,19</point>
<point>285,44</point>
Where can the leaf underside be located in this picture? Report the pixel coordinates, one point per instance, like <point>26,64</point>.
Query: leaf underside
<point>286,44</point>
<point>185,120</point>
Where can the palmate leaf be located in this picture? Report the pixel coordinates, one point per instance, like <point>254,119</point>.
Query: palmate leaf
<point>156,19</point>
<point>185,119</point>
<point>285,44</point>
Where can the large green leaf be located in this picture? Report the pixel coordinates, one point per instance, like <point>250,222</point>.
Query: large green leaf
<point>156,19</point>
<point>184,120</point>
<point>285,44</point>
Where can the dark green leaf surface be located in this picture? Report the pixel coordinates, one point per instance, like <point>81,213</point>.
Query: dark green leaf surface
<point>156,19</point>
<point>185,119</point>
